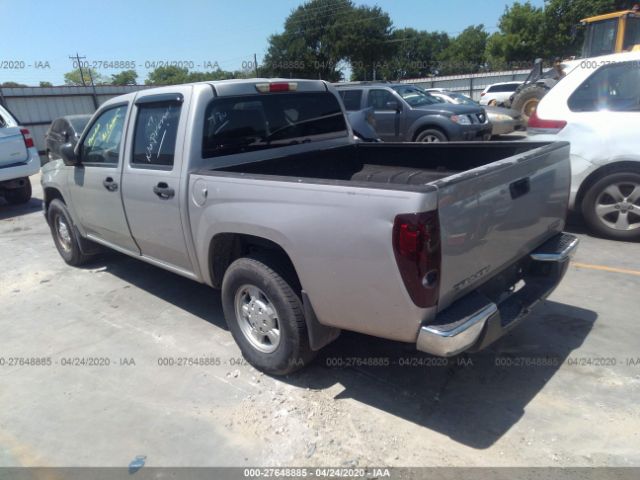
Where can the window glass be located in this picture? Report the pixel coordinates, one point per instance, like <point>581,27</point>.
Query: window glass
<point>378,99</point>
<point>352,99</point>
<point>242,124</point>
<point>462,99</point>
<point>632,34</point>
<point>507,87</point>
<point>102,143</point>
<point>55,126</point>
<point>416,97</point>
<point>155,134</point>
<point>613,87</point>
<point>601,38</point>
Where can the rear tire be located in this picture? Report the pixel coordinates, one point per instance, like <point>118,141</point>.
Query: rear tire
<point>18,196</point>
<point>528,99</point>
<point>265,316</point>
<point>431,135</point>
<point>611,206</point>
<point>65,236</point>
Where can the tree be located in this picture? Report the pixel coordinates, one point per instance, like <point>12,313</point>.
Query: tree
<point>465,53</point>
<point>561,17</point>
<point>46,84</point>
<point>520,38</point>
<point>125,77</point>
<point>366,41</point>
<point>74,77</point>
<point>416,53</point>
<point>169,75</point>
<point>311,44</point>
<point>176,75</point>
<point>12,84</point>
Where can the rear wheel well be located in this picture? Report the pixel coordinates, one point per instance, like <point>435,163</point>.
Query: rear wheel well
<point>602,172</point>
<point>225,248</point>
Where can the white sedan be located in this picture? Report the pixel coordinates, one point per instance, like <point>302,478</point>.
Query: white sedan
<point>596,107</point>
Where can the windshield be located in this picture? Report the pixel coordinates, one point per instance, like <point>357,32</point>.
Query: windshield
<point>601,38</point>
<point>255,122</point>
<point>462,99</point>
<point>416,97</point>
<point>632,34</point>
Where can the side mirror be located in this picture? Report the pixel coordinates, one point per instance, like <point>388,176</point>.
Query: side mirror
<point>68,155</point>
<point>392,105</point>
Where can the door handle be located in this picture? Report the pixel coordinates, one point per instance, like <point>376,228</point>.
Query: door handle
<point>109,184</point>
<point>520,188</point>
<point>164,191</point>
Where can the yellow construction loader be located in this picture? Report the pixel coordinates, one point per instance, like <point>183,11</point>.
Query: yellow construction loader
<point>604,34</point>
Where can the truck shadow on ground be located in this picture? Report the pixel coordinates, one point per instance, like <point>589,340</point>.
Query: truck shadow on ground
<point>10,211</point>
<point>474,399</point>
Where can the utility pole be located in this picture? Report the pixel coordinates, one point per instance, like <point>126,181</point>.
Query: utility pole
<point>255,64</point>
<point>78,58</point>
<point>93,87</point>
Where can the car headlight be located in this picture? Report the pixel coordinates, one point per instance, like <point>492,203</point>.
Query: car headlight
<point>461,119</point>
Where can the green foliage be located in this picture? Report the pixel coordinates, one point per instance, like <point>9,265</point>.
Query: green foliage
<point>416,54</point>
<point>125,77</point>
<point>367,42</point>
<point>175,75</point>
<point>561,19</point>
<point>313,42</point>
<point>46,84</point>
<point>520,39</point>
<point>465,53</point>
<point>12,84</point>
<point>75,78</point>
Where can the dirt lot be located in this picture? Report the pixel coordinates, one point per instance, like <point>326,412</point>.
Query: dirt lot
<point>562,389</point>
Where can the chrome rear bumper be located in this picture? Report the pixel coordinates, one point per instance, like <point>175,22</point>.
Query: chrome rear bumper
<point>475,321</point>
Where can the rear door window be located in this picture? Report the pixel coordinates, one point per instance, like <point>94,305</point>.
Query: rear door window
<point>155,135</point>
<point>255,122</point>
<point>508,87</point>
<point>614,87</point>
<point>352,99</point>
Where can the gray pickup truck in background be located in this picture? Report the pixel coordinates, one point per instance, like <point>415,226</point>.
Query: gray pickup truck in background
<point>258,187</point>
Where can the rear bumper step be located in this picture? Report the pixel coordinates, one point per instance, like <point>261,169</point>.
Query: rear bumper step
<point>475,321</point>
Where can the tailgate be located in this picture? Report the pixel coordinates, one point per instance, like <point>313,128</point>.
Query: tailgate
<point>12,147</point>
<point>492,216</point>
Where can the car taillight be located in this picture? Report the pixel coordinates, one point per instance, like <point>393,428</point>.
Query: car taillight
<point>277,87</point>
<point>28,139</point>
<point>540,125</point>
<point>416,245</point>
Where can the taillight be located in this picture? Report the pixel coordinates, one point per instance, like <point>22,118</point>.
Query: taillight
<point>539,125</point>
<point>277,87</point>
<point>28,139</point>
<point>416,244</point>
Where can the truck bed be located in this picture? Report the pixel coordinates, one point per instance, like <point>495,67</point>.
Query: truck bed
<point>495,203</point>
<point>386,163</point>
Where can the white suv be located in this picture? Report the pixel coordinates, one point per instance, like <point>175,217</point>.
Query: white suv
<point>495,95</point>
<point>18,160</point>
<point>596,107</point>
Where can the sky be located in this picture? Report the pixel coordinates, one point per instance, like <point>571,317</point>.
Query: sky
<point>39,36</point>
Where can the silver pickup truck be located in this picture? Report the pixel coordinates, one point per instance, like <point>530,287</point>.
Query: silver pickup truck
<point>259,188</point>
